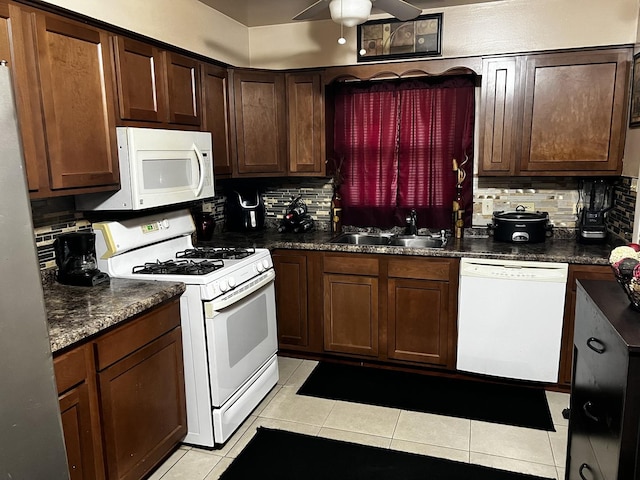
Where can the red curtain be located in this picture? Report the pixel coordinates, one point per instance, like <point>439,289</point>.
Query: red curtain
<point>397,141</point>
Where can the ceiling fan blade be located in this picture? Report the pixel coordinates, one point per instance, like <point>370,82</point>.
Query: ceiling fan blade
<point>398,8</point>
<point>310,12</point>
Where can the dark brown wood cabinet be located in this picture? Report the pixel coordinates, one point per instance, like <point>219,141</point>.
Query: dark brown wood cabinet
<point>558,113</point>
<point>305,124</point>
<point>291,299</point>
<point>605,413</point>
<point>156,85</point>
<point>576,272</point>
<point>351,304</point>
<point>75,379</point>
<point>421,312</point>
<point>260,123</point>
<point>215,115</point>
<point>122,397</point>
<point>78,103</point>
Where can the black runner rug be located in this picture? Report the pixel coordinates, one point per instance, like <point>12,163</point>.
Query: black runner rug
<point>496,403</point>
<point>277,454</point>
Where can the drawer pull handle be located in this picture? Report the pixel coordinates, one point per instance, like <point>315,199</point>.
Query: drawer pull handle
<point>583,467</point>
<point>596,345</point>
<point>586,408</point>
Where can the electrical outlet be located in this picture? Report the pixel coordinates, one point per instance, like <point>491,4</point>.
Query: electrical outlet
<point>207,207</point>
<point>528,206</point>
<point>634,185</point>
<point>487,206</point>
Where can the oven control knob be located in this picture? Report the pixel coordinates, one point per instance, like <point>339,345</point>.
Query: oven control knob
<point>165,223</point>
<point>265,263</point>
<point>259,267</point>
<point>224,285</point>
<point>231,282</point>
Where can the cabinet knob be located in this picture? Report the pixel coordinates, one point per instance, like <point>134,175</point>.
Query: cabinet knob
<point>586,408</point>
<point>596,345</point>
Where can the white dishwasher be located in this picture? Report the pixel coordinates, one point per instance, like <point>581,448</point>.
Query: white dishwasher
<point>510,318</point>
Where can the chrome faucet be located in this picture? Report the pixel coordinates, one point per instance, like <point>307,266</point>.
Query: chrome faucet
<point>412,223</point>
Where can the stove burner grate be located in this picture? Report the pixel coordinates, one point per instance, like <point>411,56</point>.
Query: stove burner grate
<point>179,267</point>
<point>216,252</point>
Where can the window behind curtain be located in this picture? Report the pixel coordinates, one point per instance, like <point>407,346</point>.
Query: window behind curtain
<point>398,141</point>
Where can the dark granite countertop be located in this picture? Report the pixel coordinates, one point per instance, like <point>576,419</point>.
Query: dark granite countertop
<point>77,313</point>
<point>551,250</point>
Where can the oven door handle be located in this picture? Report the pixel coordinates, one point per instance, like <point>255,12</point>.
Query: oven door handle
<point>243,291</point>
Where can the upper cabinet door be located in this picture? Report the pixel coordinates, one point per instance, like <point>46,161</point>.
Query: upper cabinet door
<point>140,80</point>
<point>498,116</point>
<point>215,113</point>
<point>304,104</point>
<point>183,89</point>
<point>260,122</point>
<point>574,113</point>
<point>78,103</point>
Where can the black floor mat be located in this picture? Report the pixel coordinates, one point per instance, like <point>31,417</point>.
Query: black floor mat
<point>497,403</point>
<point>276,454</point>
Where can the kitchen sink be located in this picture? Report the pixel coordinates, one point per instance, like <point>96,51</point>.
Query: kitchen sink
<point>362,239</point>
<point>415,241</point>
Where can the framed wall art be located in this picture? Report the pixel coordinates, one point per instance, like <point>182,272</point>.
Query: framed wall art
<point>389,39</point>
<point>634,110</point>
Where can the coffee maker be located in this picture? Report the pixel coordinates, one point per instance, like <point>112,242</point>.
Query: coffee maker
<point>76,259</point>
<point>597,199</point>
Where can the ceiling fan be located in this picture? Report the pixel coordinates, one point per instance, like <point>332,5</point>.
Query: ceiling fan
<point>354,12</point>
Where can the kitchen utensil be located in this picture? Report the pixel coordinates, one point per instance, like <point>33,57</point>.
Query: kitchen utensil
<point>597,200</point>
<point>76,260</point>
<point>245,210</point>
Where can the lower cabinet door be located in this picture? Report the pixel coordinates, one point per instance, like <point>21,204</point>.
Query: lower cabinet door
<point>76,425</point>
<point>143,407</point>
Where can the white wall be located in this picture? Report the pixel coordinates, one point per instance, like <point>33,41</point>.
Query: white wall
<point>468,30</point>
<point>187,24</point>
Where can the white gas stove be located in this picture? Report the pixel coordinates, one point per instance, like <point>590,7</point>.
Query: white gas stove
<point>227,314</point>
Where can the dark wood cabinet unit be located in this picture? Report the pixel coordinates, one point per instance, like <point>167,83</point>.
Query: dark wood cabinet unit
<point>183,89</point>
<point>351,305</point>
<point>305,126</point>
<point>605,391</point>
<point>78,103</point>
<point>421,314</point>
<point>576,272</point>
<point>557,113</point>
<point>122,397</point>
<point>140,80</point>
<point>291,299</point>
<point>260,123</point>
<point>75,379</point>
<point>215,116</point>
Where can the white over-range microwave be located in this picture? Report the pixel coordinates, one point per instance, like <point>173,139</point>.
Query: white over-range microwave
<point>157,168</point>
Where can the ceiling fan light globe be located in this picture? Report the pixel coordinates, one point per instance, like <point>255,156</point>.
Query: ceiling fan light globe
<point>350,12</point>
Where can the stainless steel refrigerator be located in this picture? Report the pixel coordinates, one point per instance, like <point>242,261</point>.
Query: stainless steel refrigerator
<point>31,441</point>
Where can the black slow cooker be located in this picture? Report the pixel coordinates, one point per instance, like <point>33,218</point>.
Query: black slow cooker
<point>520,226</point>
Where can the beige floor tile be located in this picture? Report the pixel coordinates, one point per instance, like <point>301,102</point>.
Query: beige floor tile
<point>368,419</point>
<point>433,429</point>
<point>511,442</point>
<point>301,373</point>
<point>546,471</point>
<point>430,450</point>
<point>195,464</point>
<point>168,463</point>
<point>219,469</point>
<point>355,437</point>
<point>558,401</point>
<point>559,445</point>
<point>286,366</point>
<point>561,472</point>
<point>286,405</point>
<point>271,423</point>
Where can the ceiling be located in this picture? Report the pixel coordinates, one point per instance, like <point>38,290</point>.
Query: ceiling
<point>254,13</point>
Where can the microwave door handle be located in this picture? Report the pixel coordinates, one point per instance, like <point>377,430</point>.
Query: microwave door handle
<point>201,168</point>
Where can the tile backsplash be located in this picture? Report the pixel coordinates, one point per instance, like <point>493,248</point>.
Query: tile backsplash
<point>558,196</point>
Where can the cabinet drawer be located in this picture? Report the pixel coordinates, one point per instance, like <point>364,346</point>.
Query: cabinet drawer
<point>351,264</point>
<point>419,269</point>
<point>70,368</point>
<point>128,338</point>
